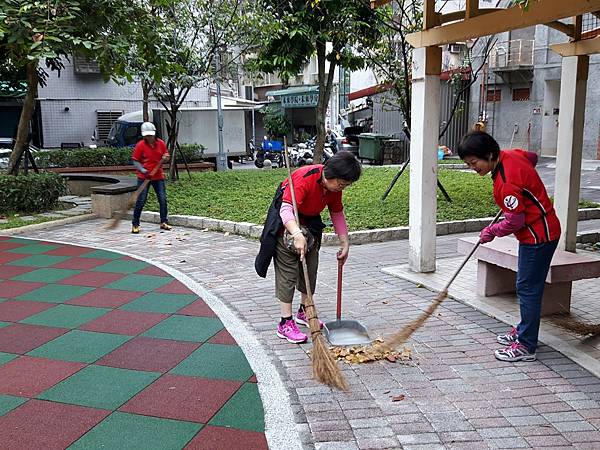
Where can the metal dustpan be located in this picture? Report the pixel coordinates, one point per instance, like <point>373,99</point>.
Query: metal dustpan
<point>344,332</point>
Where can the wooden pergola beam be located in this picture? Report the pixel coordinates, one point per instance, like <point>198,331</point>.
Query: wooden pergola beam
<point>578,48</point>
<point>569,30</point>
<point>471,8</point>
<point>460,15</point>
<point>540,12</point>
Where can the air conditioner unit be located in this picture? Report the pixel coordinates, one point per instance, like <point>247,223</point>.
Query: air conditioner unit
<point>83,65</point>
<point>455,48</point>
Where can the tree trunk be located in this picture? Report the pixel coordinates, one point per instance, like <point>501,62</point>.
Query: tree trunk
<point>146,88</point>
<point>325,85</point>
<point>22,138</point>
<point>172,142</point>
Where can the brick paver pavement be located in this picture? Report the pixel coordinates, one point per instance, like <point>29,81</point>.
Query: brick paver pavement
<point>457,395</point>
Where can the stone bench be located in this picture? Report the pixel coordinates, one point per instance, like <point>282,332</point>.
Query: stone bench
<point>109,193</point>
<point>497,267</point>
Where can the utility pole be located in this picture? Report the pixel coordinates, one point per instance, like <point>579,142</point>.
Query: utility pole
<point>253,122</point>
<point>221,157</point>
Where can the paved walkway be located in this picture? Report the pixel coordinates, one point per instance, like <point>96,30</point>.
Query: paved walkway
<point>101,350</point>
<point>456,395</point>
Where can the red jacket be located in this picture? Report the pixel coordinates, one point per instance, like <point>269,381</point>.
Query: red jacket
<point>149,156</point>
<point>519,189</point>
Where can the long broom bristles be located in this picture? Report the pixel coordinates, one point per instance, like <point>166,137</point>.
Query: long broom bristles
<point>403,335</point>
<point>582,328</point>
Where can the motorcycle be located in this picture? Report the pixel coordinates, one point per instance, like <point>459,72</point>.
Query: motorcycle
<point>269,151</point>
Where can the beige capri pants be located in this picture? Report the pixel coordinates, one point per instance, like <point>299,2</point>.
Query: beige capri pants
<point>288,271</point>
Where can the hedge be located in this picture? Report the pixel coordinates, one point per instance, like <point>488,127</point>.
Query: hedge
<point>36,192</point>
<point>102,156</point>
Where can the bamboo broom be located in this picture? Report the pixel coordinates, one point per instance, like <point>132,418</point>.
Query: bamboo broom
<point>118,215</point>
<point>325,368</point>
<point>403,335</point>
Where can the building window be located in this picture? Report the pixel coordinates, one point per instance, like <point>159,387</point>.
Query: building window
<point>494,95</point>
<point>520,95</point>
<point>105,122</point>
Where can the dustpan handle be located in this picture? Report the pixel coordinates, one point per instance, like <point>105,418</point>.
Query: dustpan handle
<point>339,290</point>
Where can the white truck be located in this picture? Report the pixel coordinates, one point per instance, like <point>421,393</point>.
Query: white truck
<point>196,126</point>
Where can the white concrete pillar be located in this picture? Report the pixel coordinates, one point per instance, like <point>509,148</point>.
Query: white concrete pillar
<point>571,118</point>
<point>425,121</point>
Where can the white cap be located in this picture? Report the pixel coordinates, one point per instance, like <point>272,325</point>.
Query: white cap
<point>148,129</point>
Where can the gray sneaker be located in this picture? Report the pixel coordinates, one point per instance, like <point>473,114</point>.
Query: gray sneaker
<point>514,352</point>
<point>508,338</point>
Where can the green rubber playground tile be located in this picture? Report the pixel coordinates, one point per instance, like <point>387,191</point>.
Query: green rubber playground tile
<point>100,387</point>
<point>101,254</point>
<point>186,328</point>
<point>226,362</point>
<point>244,410</point>
<point>6,357</point>
<point>38,261</point>
<point>160,303</point>
<point>142,283</point>
<point>17,240</point>
<point>121,266</point>
<point>47,275</point>
<point>66,316</point>
<point>80,346</point>
<point>4,324</point>
<point>9,402</point>
<point>33,249</point>
<point>132,431</point>
<point>55,293</point>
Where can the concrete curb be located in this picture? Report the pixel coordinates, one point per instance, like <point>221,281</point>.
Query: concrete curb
<point>253,230</point>
<point>49,224</point>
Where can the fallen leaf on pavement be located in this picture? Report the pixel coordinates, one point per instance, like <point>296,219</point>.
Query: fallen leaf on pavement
<point>398,398</point>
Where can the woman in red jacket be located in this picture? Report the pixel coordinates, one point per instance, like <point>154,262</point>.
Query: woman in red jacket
<point>530,216</point>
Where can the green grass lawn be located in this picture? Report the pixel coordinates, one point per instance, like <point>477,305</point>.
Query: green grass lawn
<point>16,221</point>
<point>246,195</point>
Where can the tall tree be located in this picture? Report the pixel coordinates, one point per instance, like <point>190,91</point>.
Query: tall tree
<point>198,31</point>
<point>39,31</point>
<point>334,30</point>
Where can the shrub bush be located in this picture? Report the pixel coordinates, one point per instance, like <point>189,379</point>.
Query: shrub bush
<point>103,156</point>
<point>36,192</point>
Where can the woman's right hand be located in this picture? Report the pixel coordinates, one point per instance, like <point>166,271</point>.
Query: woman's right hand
<point>300,245</point>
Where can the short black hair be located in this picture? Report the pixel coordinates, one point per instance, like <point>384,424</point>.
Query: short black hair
<point>342,165</point>
<point>478,144</point>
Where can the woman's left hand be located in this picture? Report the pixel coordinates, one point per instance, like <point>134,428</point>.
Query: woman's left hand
<point>342,254</point>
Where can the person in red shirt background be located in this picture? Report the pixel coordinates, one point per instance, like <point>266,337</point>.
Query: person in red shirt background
<point>530,216</point>
<point>148,154</point>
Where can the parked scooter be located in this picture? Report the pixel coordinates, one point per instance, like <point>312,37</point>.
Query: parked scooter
<point>271,151</point>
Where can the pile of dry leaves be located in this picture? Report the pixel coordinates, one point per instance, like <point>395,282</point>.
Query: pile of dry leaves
<point>359,354</point>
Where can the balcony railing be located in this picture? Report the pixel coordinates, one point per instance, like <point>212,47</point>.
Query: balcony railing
<point>512,54</point>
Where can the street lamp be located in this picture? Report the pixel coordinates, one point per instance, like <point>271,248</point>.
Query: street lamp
<point>221,157</point>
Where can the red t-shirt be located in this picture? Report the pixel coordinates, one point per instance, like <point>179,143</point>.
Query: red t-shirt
<point>311,196</point>
<point>519,189</point>
<point>149,156</point>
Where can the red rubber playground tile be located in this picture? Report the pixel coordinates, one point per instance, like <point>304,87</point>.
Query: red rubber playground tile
<point>175,287</point>
<point>223,337</point>
<point>14,311</point>
<point>218,438</point>
<point>92,279</point>
<point>79,263</point>
<point>105,298</point>
<point>8,257</point>
<point>47,425</point>
<point>150,354</point>
<point>183,398</point>
<point>198,308</point>
<point>118,321</point>
<point>11,288</point>
<point>7,272</point>
<point>9,245</point>
<point>28,377</point>
<point>69,250</point>
<point>21,338</point>
<point>151,270</point>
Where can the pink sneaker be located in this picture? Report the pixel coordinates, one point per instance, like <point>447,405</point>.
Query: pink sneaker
<point>301,319</point>
<point>289,330</point>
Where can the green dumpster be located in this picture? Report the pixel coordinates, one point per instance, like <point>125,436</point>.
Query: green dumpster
<point>370,146</point>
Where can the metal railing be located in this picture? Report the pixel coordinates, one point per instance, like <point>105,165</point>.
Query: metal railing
<point>514,53</point>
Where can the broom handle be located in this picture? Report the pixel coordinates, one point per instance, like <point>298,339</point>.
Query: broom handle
<point>339,291</point>
<point>309,299</point>
<point>473,250</point>
<point>143,186</point>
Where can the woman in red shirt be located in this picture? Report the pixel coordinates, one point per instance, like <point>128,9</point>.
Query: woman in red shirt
<point>530,216</point>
